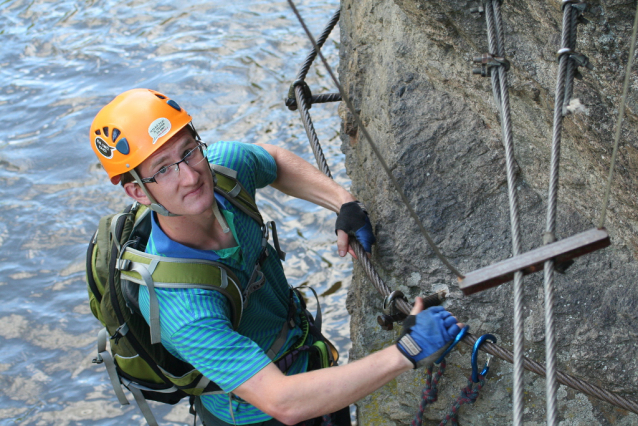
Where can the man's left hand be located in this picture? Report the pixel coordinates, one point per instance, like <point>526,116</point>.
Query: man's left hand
<point>353,221</point>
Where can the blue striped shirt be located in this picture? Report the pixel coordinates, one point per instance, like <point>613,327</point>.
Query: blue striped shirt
<point>195,325</point>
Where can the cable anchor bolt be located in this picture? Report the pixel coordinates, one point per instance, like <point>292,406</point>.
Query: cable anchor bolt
<point>291,100</point>
<point>579,5</point>
<point>579,59</point>
<point>489,61</point>
<point>391,313</point>
<point>477,10</point>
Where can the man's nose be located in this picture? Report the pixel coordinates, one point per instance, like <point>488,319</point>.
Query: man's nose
<point>187,173</point>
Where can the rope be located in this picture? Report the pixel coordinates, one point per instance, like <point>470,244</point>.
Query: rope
<point>621,114</point>
<point>491,348</point>
<point>430,392</point>
<point>468,395</point>
<point>500,86</point>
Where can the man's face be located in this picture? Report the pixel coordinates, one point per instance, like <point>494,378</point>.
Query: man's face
<point>189,192</point>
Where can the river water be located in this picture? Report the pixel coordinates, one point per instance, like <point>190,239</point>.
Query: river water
<point>229,63</point>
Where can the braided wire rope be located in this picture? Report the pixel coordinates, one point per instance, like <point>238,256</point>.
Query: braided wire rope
<point>500,86</point>
<point>374,147</point>
<point>621,113</point>
<point>564,87</point>
<point>323,98</point>
<point>303,72</point>
<point>571,44</point>
<point>469,339</point>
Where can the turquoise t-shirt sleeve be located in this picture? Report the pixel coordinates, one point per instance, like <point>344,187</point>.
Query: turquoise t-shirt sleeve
<point>210,344</point>
<point>255,167</point>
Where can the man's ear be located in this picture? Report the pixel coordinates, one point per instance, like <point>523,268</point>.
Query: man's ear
<point>134,191</point>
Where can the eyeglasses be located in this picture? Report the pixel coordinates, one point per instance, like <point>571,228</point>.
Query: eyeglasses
<point>171,172</point>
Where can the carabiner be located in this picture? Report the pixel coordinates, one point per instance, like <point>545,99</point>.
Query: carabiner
<point>457,339</point>
<point>475,349</point>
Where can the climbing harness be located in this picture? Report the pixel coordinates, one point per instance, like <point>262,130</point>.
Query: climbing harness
<point>567,251</point>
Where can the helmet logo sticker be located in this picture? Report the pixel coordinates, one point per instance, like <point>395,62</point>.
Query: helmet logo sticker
<point>159,128</point>
<point>103,148</point>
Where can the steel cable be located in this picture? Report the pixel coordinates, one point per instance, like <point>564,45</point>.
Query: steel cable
<point>496,45</point>
<point>469,339</point>
<point>303,72</point>
<point>374,147</point>
<point>563,378</point>
<point>621,113</point>
<point>564,89</point>
<point>571,63</point>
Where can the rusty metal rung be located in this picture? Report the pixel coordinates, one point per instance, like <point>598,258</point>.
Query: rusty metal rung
<point>534,260</point>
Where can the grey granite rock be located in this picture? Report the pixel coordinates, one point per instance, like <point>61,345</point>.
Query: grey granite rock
<point>407,66</point>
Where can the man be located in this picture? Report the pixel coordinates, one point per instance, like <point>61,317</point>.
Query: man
<point>146,142</point>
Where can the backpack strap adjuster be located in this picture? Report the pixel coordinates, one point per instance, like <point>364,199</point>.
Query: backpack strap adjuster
<point>123,265</point>
<point>119,333</point>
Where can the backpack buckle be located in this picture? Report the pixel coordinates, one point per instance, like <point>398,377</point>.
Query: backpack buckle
<point>119,333</point>
<point>98,359</point>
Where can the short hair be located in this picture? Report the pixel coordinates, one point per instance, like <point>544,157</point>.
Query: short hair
<point>126,178</point>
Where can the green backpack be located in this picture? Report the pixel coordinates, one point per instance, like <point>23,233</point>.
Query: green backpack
<point>116,264</point>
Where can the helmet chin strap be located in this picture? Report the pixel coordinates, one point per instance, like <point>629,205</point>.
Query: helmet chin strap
<point>155,206</point>
<point>216,212</point>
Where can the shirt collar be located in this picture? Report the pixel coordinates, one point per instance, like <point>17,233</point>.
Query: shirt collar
<point>164,246</point>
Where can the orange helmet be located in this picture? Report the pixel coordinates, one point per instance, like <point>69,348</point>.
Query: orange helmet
<point>132,127</point>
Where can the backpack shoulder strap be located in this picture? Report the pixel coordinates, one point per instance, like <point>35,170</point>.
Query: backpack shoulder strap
<point>227,185</point>
<point>230,188</point>
<point>171,272</point>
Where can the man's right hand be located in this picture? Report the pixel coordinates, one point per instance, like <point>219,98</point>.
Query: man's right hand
<point>426,334</point>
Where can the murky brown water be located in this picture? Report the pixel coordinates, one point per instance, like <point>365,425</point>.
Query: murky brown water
<point>229,64</point>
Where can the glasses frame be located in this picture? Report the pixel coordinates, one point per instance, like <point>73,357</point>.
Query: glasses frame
<point>200,145</point>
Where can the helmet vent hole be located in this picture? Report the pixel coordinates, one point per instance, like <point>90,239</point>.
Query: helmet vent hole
<point>106,131</point>
<point>98,132</point>
<point>174,104</point>
<point>160,96</point>
<point>115,134</point>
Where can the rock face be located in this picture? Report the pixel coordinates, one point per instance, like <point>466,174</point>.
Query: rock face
<point>407,66</point>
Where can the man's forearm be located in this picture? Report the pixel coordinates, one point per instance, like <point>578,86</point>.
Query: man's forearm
<point>292,399</point>
<point>300,179</point>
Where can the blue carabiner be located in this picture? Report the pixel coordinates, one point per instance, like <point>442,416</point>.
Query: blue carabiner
<point>475,349</point>
<point>457,339</point>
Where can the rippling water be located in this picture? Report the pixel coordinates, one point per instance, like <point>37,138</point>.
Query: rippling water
<point>229,63</point>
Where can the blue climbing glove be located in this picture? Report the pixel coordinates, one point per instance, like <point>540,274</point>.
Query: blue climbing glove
<point>425,336</point>
<point>353,220</point>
